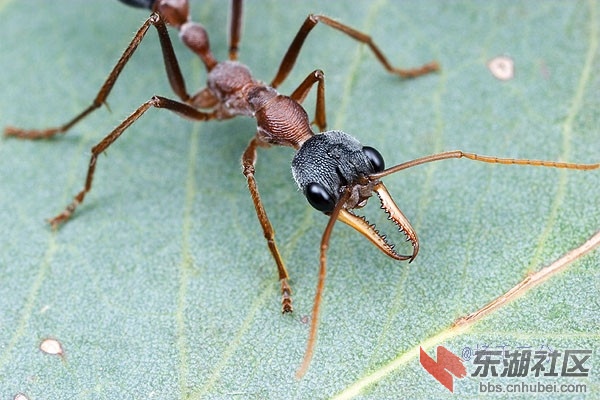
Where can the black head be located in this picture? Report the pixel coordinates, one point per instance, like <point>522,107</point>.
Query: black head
<point>332,163</point>
<point>328,162</point>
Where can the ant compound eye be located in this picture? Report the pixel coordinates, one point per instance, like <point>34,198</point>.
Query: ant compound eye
<point>375,158</point>
<point>318,197</point>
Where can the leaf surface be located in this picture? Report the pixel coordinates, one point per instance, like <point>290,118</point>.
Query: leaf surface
<point>161,286</point>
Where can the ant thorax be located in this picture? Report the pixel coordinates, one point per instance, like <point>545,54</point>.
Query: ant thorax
<point>280,120</point>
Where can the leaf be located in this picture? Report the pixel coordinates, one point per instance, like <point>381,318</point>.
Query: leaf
<point>161,286</point>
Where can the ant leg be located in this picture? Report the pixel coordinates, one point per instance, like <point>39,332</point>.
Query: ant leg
<point>301,92</point>
<point>314,321</point>
<point>155,101</point>
<point>171,65</point>
<point>294,50</point>
<point>235,29</point>
<point>248,164</point>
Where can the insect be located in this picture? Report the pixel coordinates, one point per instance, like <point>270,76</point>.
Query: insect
<point>335,172</point>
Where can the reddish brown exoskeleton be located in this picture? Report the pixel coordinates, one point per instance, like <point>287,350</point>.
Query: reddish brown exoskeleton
<point>334,171</point>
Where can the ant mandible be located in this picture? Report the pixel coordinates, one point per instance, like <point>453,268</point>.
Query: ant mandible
<point>334,171</point>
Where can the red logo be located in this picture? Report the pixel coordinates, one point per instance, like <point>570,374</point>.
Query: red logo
<point>447,364</point>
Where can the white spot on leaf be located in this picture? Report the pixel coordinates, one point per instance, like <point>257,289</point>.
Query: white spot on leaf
<point>51,346</point>
<point>502,67</point>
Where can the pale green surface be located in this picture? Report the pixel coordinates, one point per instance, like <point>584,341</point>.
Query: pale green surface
<point>162,285</point>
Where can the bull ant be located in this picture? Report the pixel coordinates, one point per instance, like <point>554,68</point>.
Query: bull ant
<point>334,171</point>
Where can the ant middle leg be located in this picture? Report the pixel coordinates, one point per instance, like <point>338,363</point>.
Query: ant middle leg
<point>248,165</point>
<point>311,21</point>
<point>156,101</point>
<point>318,77</point>
<point>171,65</point>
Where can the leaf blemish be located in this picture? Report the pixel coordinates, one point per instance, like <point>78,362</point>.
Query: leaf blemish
<point>502,68</point>
<point>52,347</point>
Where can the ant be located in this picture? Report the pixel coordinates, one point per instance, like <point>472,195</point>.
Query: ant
<point>335,172</point>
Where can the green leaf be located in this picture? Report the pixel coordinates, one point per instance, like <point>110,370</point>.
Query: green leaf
<point>161,286</point>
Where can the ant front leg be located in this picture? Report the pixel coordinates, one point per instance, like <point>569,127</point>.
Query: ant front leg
<point>156,101</point>
<point>248,165</point>
<point>171,65</point>
<point>302,91</point>
<point>287,64</point>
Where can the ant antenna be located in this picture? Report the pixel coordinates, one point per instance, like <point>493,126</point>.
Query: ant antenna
<point>486,159</point>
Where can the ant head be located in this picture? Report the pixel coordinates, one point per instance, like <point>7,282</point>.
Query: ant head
<point>334,167</point>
